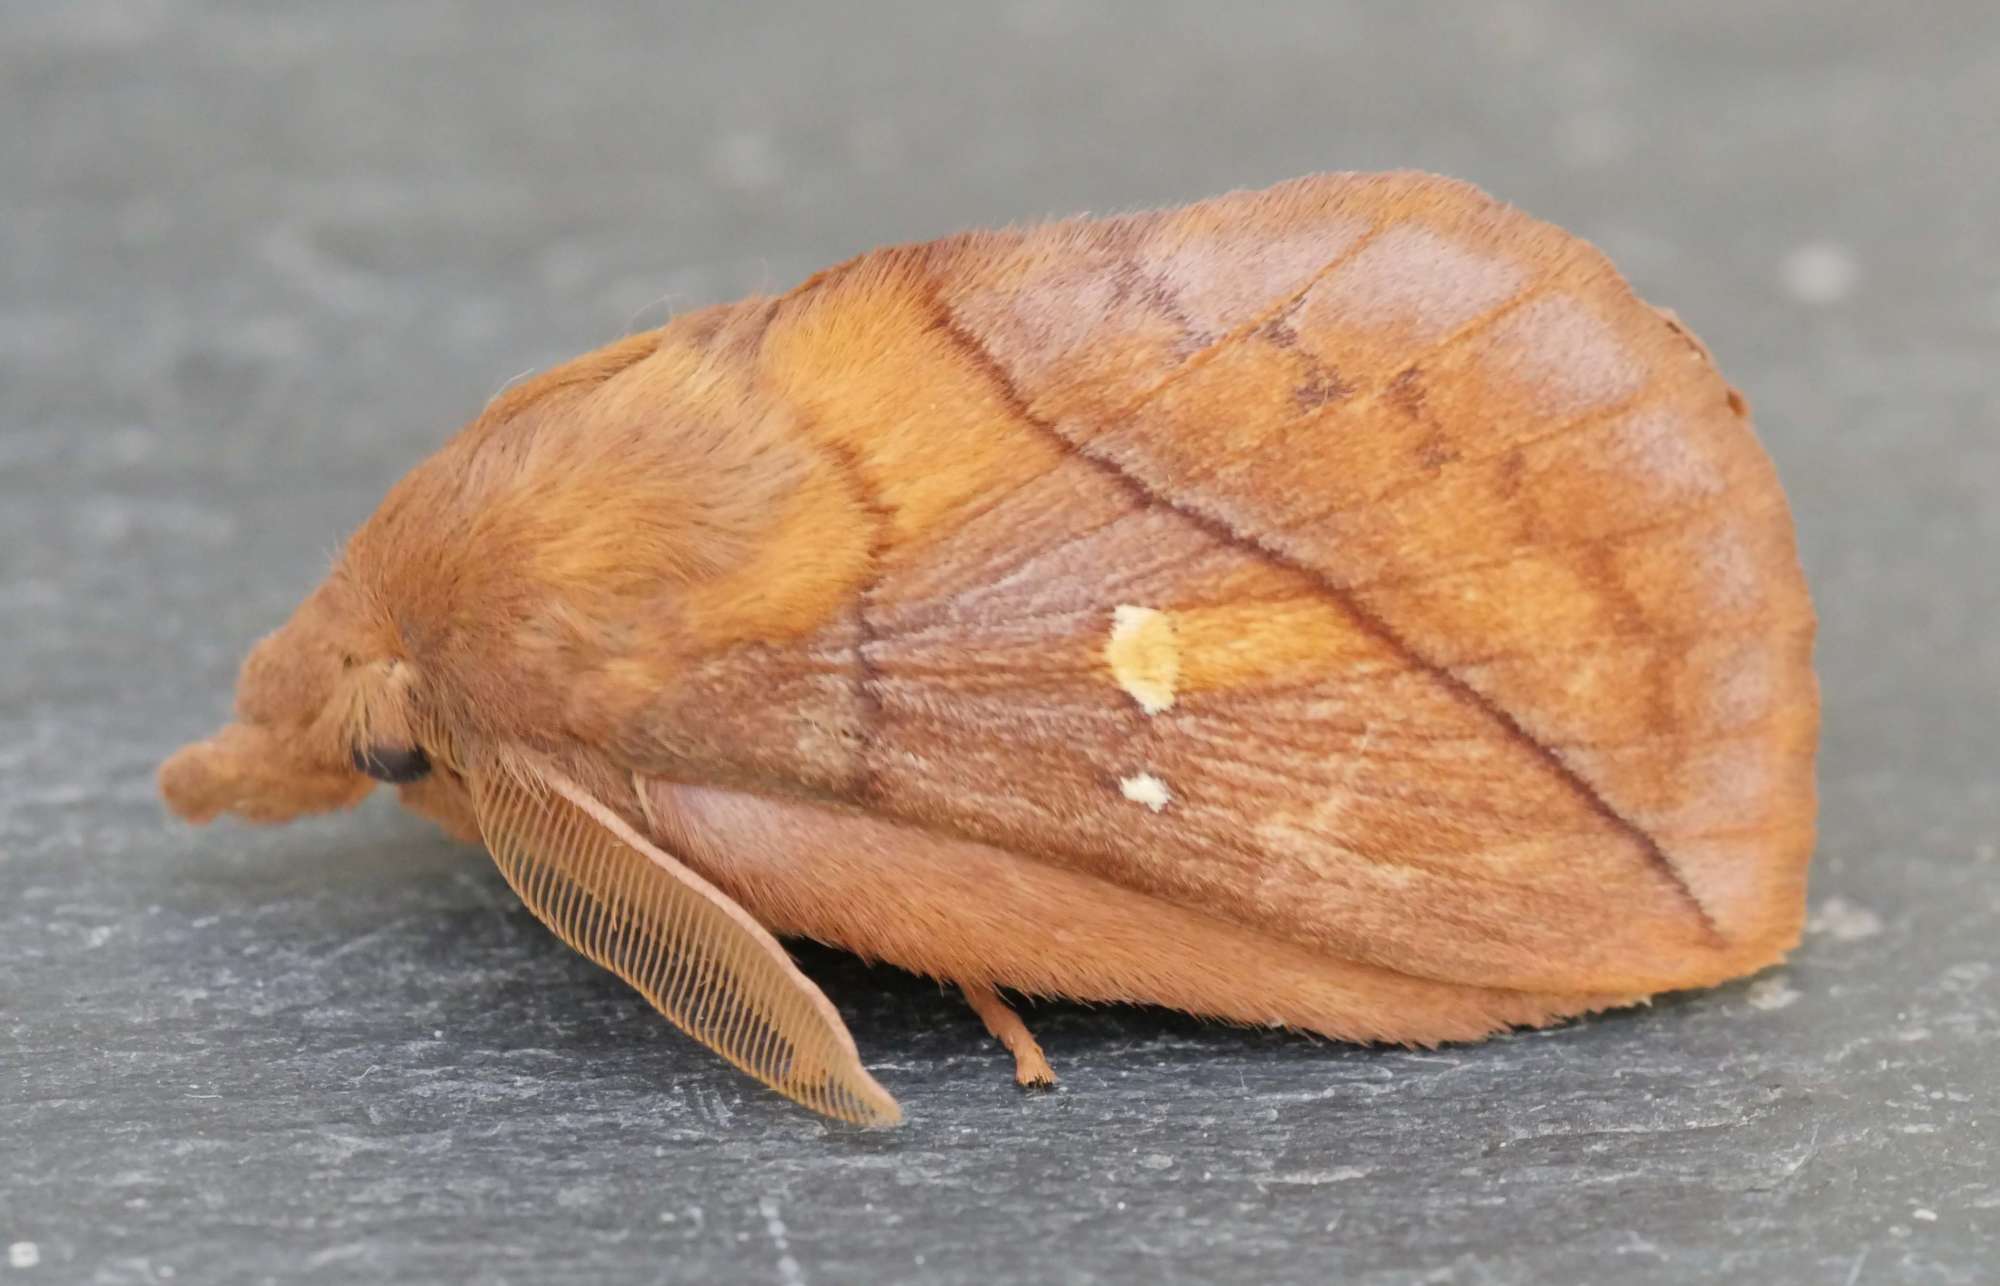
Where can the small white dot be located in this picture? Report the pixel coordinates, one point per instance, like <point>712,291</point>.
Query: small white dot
<point>1844,920</point>
<point>747,160</point>
<point>1145,788</point>
<point>1820,272</point>
<point>23,1254</point>
<point>1771,993</point>
<point>1594,138</point>
<point>1928,1216</point>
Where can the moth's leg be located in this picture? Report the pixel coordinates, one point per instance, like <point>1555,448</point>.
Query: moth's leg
<point>1030,1067</point>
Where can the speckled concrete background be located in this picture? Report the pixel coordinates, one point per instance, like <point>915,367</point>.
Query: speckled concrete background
<point>255,261</point>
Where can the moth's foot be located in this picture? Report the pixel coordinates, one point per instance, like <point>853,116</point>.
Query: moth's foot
<point>1031,1067</point>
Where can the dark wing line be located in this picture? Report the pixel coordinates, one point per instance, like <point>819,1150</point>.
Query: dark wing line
<point>867,679</point>
<point>1676,515</point>
<point>844,463</point>
<point>1209,352</point>
<point>976,353</point>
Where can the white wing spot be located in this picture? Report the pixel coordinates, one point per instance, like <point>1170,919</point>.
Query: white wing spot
<point>1144,656</point>
<point>1145,788</point>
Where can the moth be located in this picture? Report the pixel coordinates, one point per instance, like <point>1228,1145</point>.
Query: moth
<point>1343,606</point>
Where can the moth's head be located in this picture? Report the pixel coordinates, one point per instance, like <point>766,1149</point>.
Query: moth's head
<point>547,531</point>
<point>327,706</point>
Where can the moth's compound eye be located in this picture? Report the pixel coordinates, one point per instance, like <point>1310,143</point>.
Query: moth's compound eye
<point>396,765</point>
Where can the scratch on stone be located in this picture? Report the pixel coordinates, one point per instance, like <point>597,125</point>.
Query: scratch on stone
<point>1789,1181</point>
<point>789,1271</point>
<point>1312,1178</point>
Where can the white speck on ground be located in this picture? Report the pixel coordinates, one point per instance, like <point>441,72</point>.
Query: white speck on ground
<point>23,1254</point>
<point>789,1271</point>
<point>1771,993</point>
<point>130,445</point>
<point>1820,272</point>
<point>1843,921</point>
<point>1314,1178</point>
<point>336,1254</point>
<point>746,160</point>
<point>1593,138</point>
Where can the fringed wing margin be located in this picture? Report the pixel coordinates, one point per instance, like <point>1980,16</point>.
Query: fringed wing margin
<point>680,942</point>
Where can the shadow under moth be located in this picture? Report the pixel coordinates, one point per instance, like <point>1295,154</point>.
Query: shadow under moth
<point>1343,606</point>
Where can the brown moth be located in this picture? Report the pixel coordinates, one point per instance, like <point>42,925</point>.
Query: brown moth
<point>1343,606</point>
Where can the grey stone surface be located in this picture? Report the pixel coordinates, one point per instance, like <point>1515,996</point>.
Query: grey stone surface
<point>256,260</point>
